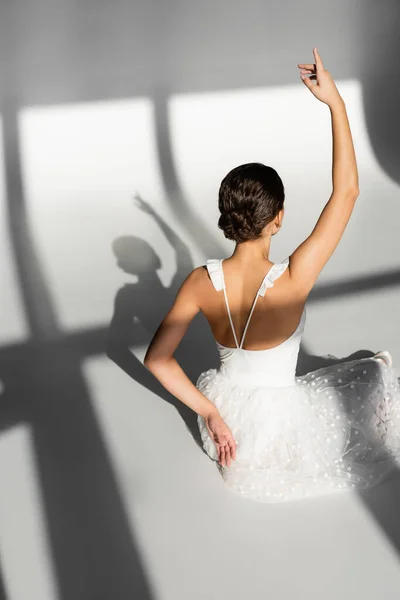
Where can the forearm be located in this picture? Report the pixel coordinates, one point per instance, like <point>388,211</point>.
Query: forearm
<point>344,164</point>
<point>174,379</point>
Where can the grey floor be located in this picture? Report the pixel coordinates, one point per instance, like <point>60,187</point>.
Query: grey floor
<point>200,540</point>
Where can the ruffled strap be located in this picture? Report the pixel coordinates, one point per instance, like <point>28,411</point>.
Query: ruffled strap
<point>215,273</point>
<point>272,275</point>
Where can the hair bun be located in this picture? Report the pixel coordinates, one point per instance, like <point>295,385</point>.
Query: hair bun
<point>237,225</point>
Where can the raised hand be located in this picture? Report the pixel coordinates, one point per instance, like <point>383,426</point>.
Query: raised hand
<point>325,89</point>
<point>222,437</point>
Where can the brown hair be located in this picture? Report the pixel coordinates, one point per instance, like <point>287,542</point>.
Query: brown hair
<point>250,197</point>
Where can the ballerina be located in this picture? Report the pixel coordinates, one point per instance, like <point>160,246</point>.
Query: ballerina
<point>275,436</point>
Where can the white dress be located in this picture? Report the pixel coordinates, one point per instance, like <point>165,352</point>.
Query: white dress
<point>329,430</point>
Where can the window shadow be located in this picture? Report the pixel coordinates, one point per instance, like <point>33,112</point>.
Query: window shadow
<point>94,553</point>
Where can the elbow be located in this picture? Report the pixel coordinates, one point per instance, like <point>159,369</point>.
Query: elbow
<point>151,363</point>
<point>148,363</point>
<point>155,364</point>
<point>354,192</point>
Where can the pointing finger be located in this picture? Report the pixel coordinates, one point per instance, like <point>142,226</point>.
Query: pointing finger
<point>318,59</point>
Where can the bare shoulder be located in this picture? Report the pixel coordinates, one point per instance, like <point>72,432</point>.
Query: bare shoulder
<point>198,276</point>
<point>195,282</point>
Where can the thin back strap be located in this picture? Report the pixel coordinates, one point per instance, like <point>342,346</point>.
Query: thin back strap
<point>248,320</point>
<point>230,317</point>
<point>272,275</point>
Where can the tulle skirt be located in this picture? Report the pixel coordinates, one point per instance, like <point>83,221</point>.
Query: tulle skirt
<point>333,429</point>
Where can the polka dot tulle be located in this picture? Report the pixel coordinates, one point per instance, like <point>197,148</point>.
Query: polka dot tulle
<point>333,429</point>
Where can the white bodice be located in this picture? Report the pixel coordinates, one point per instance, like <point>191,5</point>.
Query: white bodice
<point>271,367</point>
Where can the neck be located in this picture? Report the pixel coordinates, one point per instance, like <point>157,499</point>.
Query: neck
<point>253,250</point>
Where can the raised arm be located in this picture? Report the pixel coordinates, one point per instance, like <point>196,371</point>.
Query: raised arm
<point>308,260</point>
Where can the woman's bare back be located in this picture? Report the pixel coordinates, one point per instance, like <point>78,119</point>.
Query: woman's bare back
<point>275,316</point>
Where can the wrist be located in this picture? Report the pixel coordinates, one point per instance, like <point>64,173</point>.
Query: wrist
<point>338,103</point>
<point>209,411</point>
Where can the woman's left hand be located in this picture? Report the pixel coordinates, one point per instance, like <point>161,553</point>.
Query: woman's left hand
<point>222,437</point>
